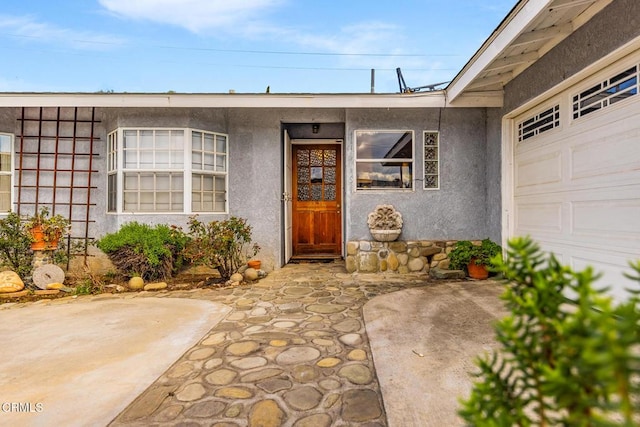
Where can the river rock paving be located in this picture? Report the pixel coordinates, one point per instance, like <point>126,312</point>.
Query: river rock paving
<point>293,352</point>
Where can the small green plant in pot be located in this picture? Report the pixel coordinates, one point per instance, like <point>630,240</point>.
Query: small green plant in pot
<point>474,259</point>
<point>46,230</point>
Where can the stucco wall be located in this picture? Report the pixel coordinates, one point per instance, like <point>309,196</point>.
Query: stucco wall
<point>615,25</point>
<point>458,209</point>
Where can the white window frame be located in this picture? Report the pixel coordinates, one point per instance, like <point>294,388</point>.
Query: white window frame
<point>9,173</point>
<point>356,161</point>
<point>436,160</point>
<point>115,167</point>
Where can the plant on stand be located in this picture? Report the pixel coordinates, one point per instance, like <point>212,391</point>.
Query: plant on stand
<point>46,230</point>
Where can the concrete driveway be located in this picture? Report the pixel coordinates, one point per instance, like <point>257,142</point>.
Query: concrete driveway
<point>424,342</point>
<point>81,362</point>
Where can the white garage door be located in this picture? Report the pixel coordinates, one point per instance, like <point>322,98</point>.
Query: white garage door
<point>577,173</point>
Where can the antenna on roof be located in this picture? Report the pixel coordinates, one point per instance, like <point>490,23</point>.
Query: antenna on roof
<point>406,89</point>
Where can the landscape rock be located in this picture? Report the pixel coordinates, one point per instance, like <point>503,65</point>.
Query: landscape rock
<point>136,283</point>
<point>10,282</point>
<point>251,274</point>
<point>439,273</point>
<point>236,277</point>
<point>158,286</point>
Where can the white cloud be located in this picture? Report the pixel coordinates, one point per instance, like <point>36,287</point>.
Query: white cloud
<point>195,15</point>
<point>28,28</point>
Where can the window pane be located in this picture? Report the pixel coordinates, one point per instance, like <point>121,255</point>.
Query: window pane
<point>222,144</point>
<point>384,145</point>
<point>5,162</point>
<point>220,181</point>
<point>196,160</point>
<point>146,139</point>
<point>5,143</point>
<point>130,139</point>
<point>177,139</point>
<point>209,143</point>
<point>221,165</point>
<point>130,159</point>
<point>209,161</point>
<point>384,175</point>
<point>163,140</point>
<point>196,141</point>
<point>130,181</point>
<point>146,159</point>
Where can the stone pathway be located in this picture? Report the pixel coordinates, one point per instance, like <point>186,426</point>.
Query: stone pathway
<point>293,352</point>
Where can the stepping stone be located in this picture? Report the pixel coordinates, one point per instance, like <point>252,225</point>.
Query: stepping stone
<point>360,406</point>
<point>191,392</point>
<point>297,355</point>
<point>260,375</point>
<point>357,374</point>
<point>266,413</point>
<point>243,348</point>
<point>205,409</point>
<point>326,308</point>
<point>221,377</point>
<point>303,398</point>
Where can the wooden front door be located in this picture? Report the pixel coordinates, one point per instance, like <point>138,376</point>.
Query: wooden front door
<point>317,222</point>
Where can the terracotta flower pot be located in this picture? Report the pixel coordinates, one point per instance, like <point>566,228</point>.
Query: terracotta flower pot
<point>39,244</point>
<point>477,271</point>
<point>254,263</point>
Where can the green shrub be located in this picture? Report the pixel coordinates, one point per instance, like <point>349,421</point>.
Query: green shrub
<point>151,252</point>
<point>559,363</point>
<point>15,245</point>
<point>220,244</point>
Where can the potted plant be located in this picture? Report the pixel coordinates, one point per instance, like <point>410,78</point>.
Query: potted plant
<point>473,258</point>
<point>46,231</point>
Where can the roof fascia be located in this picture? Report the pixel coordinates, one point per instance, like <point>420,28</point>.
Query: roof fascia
<point>508,30</point>
<point>421,100</point>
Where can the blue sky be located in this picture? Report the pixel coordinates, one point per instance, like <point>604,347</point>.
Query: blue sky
<point>292,46</point>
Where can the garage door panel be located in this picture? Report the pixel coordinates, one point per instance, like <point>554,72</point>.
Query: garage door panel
<point>544,169</point>
<point>611,267</point>
<point>614,155</point>
<point>542,217</point>
<point>614,222</point>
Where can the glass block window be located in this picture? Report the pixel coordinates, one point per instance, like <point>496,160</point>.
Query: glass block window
<point>6,171</point>
<point>542,122</point>
<point>431,160</point>
<point>384,160</point>
<point>167,170</point>
<point>608,92</point>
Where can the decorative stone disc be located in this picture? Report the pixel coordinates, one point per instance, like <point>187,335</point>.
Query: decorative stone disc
<point>46,274</point>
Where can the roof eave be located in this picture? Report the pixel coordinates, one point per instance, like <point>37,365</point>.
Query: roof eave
<point>508,30</point>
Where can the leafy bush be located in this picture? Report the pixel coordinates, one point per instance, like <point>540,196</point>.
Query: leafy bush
<point>559,363</point>
<point>220,244</point>
<point>15,245</point>
<point>151,252</point>
<point>464,250</point>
